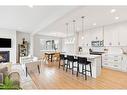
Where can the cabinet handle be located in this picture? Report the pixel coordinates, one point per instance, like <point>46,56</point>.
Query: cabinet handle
<point>110,43</point>
<point>118,43</point>
<point>115,60</point>
<point>115,66</point>
<point>121,58</point>
<point>106,63</point>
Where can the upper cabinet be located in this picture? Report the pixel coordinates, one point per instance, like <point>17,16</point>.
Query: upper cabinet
<point>122,35</point>
<point>115,35</point>
<point>84,38</point>
<point>96,34</point>
<point>90,35</point>
<point>87,39</point>
<point>111,35</point>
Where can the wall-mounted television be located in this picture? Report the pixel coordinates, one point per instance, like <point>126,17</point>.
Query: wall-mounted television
<point>5,43</point>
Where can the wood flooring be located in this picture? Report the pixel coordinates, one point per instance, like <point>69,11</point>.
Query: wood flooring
<point>51,77</point>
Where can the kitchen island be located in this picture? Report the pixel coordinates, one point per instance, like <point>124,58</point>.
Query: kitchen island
<point>95,61</point>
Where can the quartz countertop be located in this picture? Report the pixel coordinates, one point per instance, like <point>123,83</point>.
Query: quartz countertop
<point>83,55</point>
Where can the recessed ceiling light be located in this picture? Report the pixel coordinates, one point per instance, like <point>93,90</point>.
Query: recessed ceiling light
<point>112,10</point>
<point>82,37</point>
<point>20,28</point>
<point>31,6</point>
<point>94,24</point>
<point>116,18</point>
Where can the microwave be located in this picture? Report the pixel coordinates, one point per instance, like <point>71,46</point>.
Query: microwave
<point>97,43</point>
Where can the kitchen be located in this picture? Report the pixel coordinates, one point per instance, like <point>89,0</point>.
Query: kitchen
<point>108,40</point>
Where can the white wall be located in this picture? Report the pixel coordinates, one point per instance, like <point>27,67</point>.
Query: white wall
<point>21,35</point>
<point>5,33</point>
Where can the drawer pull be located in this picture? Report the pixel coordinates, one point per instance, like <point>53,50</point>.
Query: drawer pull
<point>105,63</point>
<point>115,66</point>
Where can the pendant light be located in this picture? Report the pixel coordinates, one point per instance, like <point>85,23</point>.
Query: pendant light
<point>82,27</point>
<point>67,29</point>
<point>74,25</point>
<point>74,29</point>
<point>66,41</point>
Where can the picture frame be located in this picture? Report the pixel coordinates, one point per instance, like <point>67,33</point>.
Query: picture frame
<point>1,78</point>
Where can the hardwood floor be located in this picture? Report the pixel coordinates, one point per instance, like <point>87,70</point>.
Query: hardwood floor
<point>51,77</point>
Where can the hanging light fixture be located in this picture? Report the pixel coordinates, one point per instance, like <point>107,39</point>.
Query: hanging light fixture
<point>74,25</point>
<point>74,28</point>
<point>66,41</point>
<point>67,29</point>
<point>82,27</point>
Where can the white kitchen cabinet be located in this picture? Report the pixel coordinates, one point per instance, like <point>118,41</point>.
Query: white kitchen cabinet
<point>87,38</point>
<point>97,34</point>
<point>115,62</point>
<point>92,35</point>
<point>112,61</point>
<point>124,63</point>
<point>111,35</point>
<point>122,34</point>
<point>105,60</point>
<point>115,35</point>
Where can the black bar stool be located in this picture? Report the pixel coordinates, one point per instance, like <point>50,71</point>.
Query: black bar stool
<point>62,58</point>
<point>83,61</point>
<point>71,59</point>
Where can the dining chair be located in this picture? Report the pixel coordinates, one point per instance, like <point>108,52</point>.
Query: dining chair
<point>43,58</point>
<point>56,56</point>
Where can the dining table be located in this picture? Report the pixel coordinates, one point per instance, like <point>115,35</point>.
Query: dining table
<point>50,55</point>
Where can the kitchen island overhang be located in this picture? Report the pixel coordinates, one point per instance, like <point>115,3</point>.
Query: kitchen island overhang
<point>95,62</point>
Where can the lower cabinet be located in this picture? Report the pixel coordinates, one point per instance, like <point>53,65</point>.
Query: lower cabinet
<point>112,61</point>
<point>124,63</point>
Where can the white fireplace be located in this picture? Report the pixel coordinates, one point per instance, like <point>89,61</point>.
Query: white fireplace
<point>11,34</point>
<point>4,56</point>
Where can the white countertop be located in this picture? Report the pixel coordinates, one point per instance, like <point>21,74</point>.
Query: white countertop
<point>83,55</point>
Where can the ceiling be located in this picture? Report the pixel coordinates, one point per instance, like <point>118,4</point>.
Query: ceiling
<point>30,19</point>
<point>50,20</point>
<point>100,15</point>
